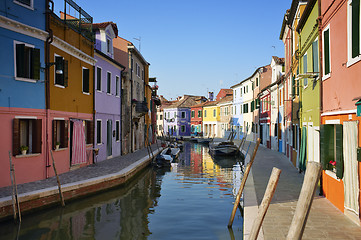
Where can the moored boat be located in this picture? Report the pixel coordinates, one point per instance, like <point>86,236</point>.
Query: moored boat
<point>223,148</point>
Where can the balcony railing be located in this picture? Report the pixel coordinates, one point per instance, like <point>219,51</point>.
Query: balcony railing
<point>141,107</point>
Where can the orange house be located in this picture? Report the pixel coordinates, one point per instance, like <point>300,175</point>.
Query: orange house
<point>340,36</point>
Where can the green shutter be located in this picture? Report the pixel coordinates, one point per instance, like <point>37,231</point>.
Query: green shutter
<point>16,137</point>
<point>37,136</point>
<point>35,64</point>
<point>339,150</point>
<point>355,28</point>
<point>326,145</point>
<point>293,86</point>
<point>20,60</point>
<point>326,37</point>
<point>303,152</point>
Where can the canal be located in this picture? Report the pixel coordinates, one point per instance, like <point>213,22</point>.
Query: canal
<point>191,200</point>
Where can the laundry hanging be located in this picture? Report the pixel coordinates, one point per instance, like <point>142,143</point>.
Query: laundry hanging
<point>79,147</point>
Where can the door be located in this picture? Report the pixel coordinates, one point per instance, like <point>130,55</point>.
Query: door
<point>310,142</point>
<point>109,137</point>
<point>316,144</point>
<point>350,179</point>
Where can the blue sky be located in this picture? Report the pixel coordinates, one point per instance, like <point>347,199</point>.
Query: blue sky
<point>196,46</point>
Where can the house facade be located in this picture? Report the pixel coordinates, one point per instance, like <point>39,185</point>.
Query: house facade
<point>264,97</point>
<point>225,116</point>
<point>197,119</point>
<point>22,99</point>
<point>107,93</point>
<point>340,112</point>
<point>211,119</point>
<point>237,116</point>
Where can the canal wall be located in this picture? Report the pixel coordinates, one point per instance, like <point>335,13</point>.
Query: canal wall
<point>49,196</point>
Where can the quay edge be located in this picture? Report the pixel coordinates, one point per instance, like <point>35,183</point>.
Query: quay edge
<point>47,197</point>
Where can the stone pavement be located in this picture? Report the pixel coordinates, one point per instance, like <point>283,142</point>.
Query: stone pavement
<point>325,221</point>
<point>99,169</point>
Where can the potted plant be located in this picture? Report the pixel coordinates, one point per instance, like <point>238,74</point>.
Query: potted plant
<point>57,145</point>
<point>24,149</point>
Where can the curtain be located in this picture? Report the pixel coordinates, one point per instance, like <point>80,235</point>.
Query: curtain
<point>350,178</point>
<point>78,148</point>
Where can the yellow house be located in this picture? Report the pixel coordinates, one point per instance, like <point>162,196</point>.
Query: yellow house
<point>70,90</point>
<point>211,117</point>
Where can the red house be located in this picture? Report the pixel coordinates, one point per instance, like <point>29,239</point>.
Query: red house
<point>196,120</point>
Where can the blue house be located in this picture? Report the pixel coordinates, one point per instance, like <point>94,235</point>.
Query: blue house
<point>22,89</point>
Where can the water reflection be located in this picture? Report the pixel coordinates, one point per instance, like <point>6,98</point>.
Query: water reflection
<point>192,199</point>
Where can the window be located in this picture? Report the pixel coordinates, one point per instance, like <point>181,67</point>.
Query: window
<point>331,148</point>
<point>60,133</point>
<point>85,80</point>
<point>143,74</point>
<point>214,112</point>
<point>61,71</point>
<point>117,130</point>
<point>205,113</point>
<point>137,69</point>
<point>99,79</point>
<point>25,3</point>
<point>108,45</point>
<point>109,82</point>
<point>89,132</point>
<point>27,61</point>
<point>99,132</point>
<point>199,113</point>
<point>192,114</point>
<point>117,85</point>
<point>183,128</point>
<point>305,80</point>
<point>27,132</point>
<point>160,117</point>
<point>256,82</point>
<point>326,52</point>
<point>183,114</point>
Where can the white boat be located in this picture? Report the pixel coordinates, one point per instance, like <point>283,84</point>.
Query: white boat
<point>166,157</point>
<point>223,148</point>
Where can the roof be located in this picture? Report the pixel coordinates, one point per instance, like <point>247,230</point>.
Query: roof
<point>228,98</point>
<point>185,102</point>
<point>256,71</point>
<point>102,25</point>
<point>278,60</point>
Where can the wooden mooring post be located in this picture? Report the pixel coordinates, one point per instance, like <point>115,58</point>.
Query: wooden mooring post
<point>304,203</point>
<point>14,196</point>
<point>58,181</point>
<point>243,183</point>
<point>270,190</point>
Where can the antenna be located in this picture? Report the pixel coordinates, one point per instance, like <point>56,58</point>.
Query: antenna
<point>139,39</point>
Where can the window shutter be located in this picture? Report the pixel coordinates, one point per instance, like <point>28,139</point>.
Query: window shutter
<point>54,133</point>
<point>90,132</point>
<point>35,64</point>
<point>37,136</point>
<point>293,86</point>
<point>355,28</point>
<point>339,150</point>
<point>20,60</point>
<point>326,36</point>
<point>327,145</point>
<point>315,56</point>
<point>65,72</point>
<point>65,134</point>
<point>16,137</point>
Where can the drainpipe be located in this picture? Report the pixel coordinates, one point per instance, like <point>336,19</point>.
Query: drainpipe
<point>131,104</point>
<point>49,40</point>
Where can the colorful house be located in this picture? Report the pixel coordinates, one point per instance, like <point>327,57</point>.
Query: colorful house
<point>211,119</point>
<point>265,105</point>
<point>225,116</point>
<point>160,114</point>
<point>22,84</point>
<point>340,110</point>
<point>309,85</point>
<point>107,92</point>
<point>237,116</point>
<point>196,119</point>
<point>177,116</point>
<point>70,91</point>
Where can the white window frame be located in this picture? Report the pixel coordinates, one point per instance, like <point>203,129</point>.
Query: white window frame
<point>350,60</point>
<point>31,7</point>
<point>101,132</point>
<point>324,77</point>
<point>82,81</point>
<point>20,78</point>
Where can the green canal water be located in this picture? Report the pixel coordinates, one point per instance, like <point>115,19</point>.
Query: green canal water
<point>191,200</point>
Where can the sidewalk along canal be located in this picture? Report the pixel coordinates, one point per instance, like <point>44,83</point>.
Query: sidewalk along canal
<point>78,183</point>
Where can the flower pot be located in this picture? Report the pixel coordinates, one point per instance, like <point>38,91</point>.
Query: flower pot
<point>23,152</point>
<point>57,147</point>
